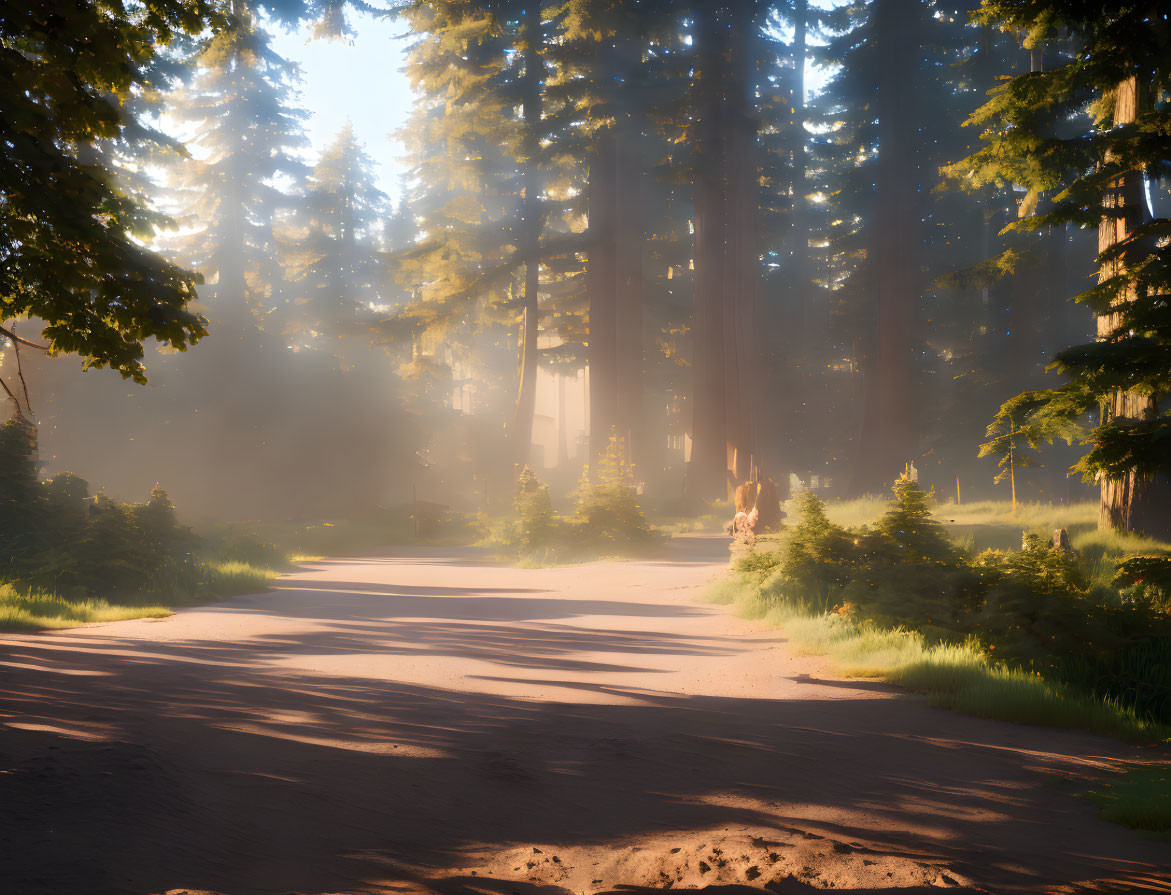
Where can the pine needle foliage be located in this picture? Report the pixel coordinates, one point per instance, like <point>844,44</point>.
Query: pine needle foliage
<point>537,529</point>
<point>1031,611</point>
<point>1053,134</point>
<point>238,102</point>
<point>819,554</point>
<point>60,548</point>
<point>608,518</point>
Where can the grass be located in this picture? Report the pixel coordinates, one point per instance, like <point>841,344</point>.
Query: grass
<point>372,532</point>
<point>38,611</point>
<point>208,580</point>
<point>1139,798</point>
<point>953,676</point>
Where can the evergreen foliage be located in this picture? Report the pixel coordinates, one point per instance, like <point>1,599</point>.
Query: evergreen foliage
<point>1083,136</point>
<point>335,241</point>
<point>1149,578</point>
<point>55,538</point>
<point>1032,609</point>
<point>608,518</point>
<point>818,555</point>
<point>247,132</point>
<point>537,531</point>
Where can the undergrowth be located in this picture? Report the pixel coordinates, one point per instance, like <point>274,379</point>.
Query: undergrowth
<point>67,558</point>
<point>1032,634</point>
<point>607,521</point>
<point>1139,798</point>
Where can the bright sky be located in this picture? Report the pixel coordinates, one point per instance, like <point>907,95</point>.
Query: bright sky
<point>359,79</point>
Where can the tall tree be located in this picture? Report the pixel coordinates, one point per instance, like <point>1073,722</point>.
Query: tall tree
<point>335,258</point>
<point>71,234</point>
<point>735,81</point>
<point>247,136</point>
<point>493,199</point>
<point>1119,74</point>
<point>612,54</point>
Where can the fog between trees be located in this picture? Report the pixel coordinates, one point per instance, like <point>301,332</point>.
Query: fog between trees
<point>620,218</point>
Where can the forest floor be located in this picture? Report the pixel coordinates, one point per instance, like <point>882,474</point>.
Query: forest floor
<point>435,722</point>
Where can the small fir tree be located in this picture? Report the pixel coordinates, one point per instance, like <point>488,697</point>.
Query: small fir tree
<point>820,558</point>
<point>608,515</point>
<point>156,518</point>
<point>908,532</point>
<point>537,528</point>
<point>1014,447</point>
<point>21,501</point>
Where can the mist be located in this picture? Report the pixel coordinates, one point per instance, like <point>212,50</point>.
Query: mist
<point>565,446</point>
<point>580,248</point>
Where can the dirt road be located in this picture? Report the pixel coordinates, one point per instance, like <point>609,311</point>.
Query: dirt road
<point>437,723</point>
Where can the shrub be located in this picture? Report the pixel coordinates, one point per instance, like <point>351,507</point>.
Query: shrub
<point>21,501</point>
<point>819,558</point>
<point>1033,610</point>
<point>1148,579</point>
<point>537,530</point>
<point>608,518</point>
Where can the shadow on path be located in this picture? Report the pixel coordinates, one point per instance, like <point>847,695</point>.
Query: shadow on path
<point>129,766</point>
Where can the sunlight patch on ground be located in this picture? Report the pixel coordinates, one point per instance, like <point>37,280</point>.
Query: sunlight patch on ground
<point>74,733</point>
<point>372,746</point>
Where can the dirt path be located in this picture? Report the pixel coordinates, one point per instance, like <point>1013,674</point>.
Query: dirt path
<point>436,723</point>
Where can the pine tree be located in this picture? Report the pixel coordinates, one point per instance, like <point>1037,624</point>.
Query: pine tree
<point>493,189</point>
<point>247,136</point>
<point>71,234</point>
<point>1113,91</point>
<point>608,516</point>
<point>21,501</point>
<point>335,257</point>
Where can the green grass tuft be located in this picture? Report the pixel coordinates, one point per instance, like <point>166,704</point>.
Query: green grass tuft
<point>38,611</point>
<point>207,580</point>
<point>1139,798</point>
<point>954,676</point>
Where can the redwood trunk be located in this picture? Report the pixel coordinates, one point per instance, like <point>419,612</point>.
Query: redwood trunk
<point>628,286</point>
<point>889,432</point>
<point>743,347</point>
<point>601,279</point>
<point>706,475</point>
<point>521,430</point>
<point>1134,502</point>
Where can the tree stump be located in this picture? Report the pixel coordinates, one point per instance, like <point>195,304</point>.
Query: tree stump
<point>1062,542</point>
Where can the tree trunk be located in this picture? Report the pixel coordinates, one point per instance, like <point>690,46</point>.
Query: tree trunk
<point>813,313</point>
<point>1134,502</point>
<point>601,280</point>
<point>743,347</point>
<point>889,431</point>
<point>521,429</point>
<point>706,476</point>
<point>628,286</point>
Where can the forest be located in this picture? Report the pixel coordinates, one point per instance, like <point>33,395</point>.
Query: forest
<point>639,209</point>
<point>857,308</point>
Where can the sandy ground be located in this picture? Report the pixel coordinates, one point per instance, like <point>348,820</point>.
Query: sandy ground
<point>438,723</point>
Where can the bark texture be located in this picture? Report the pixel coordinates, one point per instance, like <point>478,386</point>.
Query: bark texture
<point>889,429</point>
<point>1135,501</point>
<point>727,258</point>
<point>521,428</point>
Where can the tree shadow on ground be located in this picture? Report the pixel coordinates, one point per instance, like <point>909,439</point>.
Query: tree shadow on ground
<point>136,766</point>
